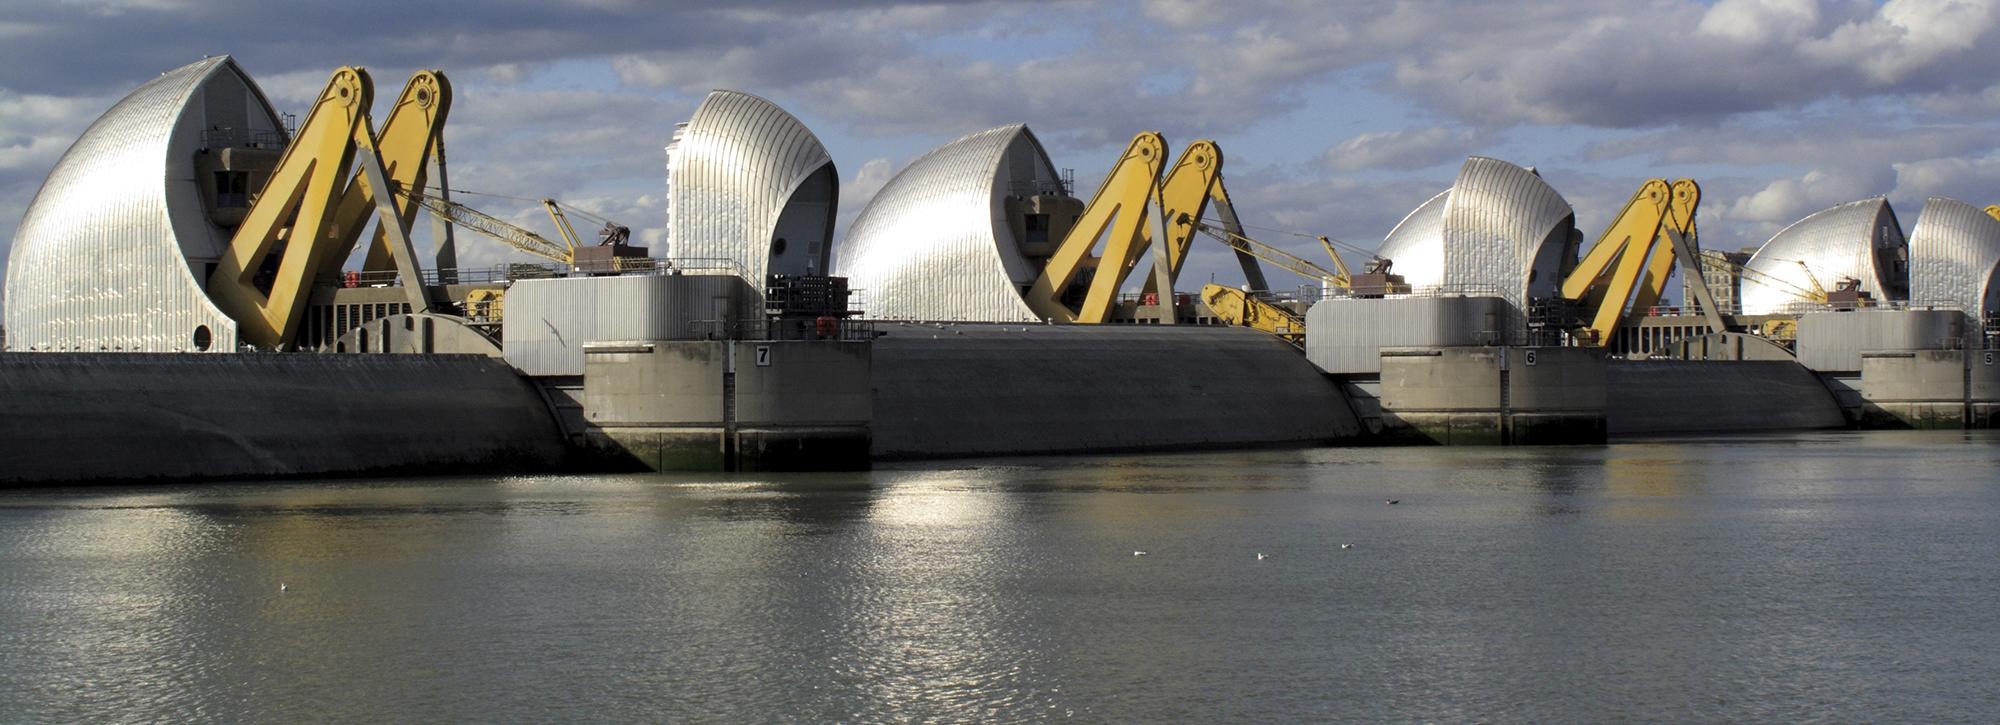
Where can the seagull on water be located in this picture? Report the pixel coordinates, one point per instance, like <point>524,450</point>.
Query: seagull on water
<point>1346,546</point>
<point>1138,553</point>
<point>1260,556</point>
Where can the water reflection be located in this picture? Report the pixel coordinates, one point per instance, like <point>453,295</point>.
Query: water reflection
<point>1693,579</point>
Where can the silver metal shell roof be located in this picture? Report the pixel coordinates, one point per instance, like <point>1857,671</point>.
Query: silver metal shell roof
<point>736,168</point>
<point>1848,240</point>
<point>934,243</point>
<point>1954,251</point>
<point>106,256</point>
<point>1416,245</point>
<point>1498,227</point>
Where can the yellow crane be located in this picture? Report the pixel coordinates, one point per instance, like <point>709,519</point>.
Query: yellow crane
<point>507,233</point>
<point>1338,277</point>
<point>1993,211</point>
<point>336,172</point>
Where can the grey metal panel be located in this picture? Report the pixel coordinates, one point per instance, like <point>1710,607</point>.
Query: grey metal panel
<point>1953,253</point>
<point>733,169</point>
<point>1416,245</point>
<point>934,243</point>
<point>548,321</point>
<point>1346,335</point>
<point>90,417</point>
<point>1650,397</point>
<point>98,262</point>
<point>977,389</point>
<point>1834,243</point>
<point>1497,223</point>
<point>1834,341</point>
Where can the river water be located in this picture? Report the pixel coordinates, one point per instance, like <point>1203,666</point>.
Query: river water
<point>1830,576</point>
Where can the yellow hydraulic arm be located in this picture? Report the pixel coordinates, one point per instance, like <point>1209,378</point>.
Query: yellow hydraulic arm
<point>1993,211</point>
<point>1184,197</point>
<point>309,215</point>
<point>1240,308</point>
<point>1120,205</point>
<point>1131,201</point>
<point>1629,265</point>
<point>410,138</point>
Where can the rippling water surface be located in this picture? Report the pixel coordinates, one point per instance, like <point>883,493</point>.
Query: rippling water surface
<point>1839,576</point>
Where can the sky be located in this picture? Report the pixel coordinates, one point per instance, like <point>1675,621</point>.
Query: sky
<point>1335,118</point>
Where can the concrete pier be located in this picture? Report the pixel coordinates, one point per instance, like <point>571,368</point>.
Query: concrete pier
<point>727,405</point>
<point>1492,395</point>
<point>1930,389</point>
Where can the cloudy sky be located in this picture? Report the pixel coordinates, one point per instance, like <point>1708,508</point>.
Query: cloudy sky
<point>1335,117</point>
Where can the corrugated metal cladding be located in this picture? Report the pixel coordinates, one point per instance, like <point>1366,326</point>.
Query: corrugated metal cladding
<point>1504,227</point>
<point>742,174</point>
<point>934,243</point>
<point>102,259</point>
<point>1839,242</point>
<point>1834,341</point>
<point>549,321</point>
<point>1954,251</point>
<point>1346,336</point>
<point>1416,245</point>
<point>1492,229</point>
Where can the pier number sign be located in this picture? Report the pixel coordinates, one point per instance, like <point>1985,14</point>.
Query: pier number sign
<point>1989,357</point>
<point>763,356</point>
<point>1528,356</point>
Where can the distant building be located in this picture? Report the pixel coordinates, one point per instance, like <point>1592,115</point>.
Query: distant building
<point>1723,271</point>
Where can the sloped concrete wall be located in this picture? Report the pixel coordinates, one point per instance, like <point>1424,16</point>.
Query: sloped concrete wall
<point>130,416</point>
<point>1702,396</point>
<point>981,389</point>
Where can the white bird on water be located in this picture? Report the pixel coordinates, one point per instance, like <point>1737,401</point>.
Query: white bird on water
<point>1346,546</point>
<point>1260,556</point>
<point>1138,553</point>
<point>281,586</point>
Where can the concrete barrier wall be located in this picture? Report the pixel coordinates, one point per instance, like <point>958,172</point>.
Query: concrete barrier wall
<point>128,416</point>
<point>978,389</point>
<point>1698,396</point>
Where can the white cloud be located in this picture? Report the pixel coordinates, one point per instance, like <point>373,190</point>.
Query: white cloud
<point>1413,148</point>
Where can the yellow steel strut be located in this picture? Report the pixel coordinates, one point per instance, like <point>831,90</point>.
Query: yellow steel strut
<point>1120,206</point>
<point>1629,265</point>
<point>311,213</point>
<point>294,210</point>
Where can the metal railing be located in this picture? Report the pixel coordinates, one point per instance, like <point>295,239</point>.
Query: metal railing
<point>504,273</point>
<point>1803,307</point>
<point>823,328</point>
<point>216,138</point>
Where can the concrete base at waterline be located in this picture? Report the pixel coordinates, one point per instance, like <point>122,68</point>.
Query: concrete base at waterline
<point>1930,389</point>
<point>1492,396</point>
<point>669,405</point>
